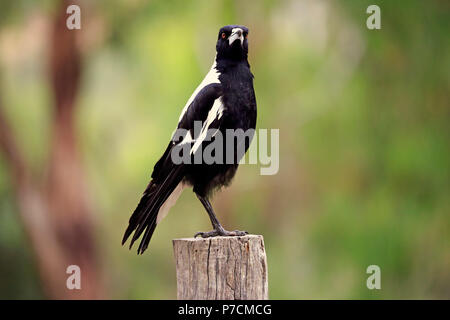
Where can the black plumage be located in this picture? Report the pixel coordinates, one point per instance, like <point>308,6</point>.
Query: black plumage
<point>224,100</point>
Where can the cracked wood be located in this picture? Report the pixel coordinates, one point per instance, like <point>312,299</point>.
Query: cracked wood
<point>221,268</point>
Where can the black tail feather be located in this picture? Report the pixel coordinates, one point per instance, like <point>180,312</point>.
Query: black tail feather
<point>145,215</point>
<point>146,197</point>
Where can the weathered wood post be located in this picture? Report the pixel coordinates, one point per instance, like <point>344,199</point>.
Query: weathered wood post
<point>221,268</point>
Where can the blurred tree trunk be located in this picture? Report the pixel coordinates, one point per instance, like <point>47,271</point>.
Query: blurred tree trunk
<point>56,213</point>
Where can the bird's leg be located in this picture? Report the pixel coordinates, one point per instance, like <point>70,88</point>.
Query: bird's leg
<point>218,229</point>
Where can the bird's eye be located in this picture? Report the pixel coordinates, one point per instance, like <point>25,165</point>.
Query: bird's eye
<point>224,35</point>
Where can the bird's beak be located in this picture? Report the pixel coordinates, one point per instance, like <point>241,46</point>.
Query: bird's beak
<point>236,34</point>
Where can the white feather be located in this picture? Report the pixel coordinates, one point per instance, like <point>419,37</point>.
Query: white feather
<point>211,77</point>
<point>214,113</point>
<point>164,210</point>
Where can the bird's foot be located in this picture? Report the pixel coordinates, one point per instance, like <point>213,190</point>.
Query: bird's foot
<point>223,233</point>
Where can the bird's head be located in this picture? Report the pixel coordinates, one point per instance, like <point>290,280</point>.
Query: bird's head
<point>232,43</point>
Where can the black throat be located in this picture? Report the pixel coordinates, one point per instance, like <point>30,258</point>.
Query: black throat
<point>234,71</point>
<point>238,94</point>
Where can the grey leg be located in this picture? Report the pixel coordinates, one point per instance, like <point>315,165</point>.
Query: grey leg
<point>218,229</point>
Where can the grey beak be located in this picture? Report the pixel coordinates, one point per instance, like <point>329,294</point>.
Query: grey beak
<point>237,34</point>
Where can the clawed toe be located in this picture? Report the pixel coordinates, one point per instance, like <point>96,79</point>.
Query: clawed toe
<point>208,234</point>
<point>223,233</point>
<point>238,233</point>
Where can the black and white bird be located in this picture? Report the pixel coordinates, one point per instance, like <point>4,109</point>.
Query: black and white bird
<point>225,99</point>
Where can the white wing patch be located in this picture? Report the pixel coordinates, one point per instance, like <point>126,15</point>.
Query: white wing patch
<point>211,77</point>
<point>214,113</point>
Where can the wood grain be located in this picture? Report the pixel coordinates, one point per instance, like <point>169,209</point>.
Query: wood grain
<point>221,268</point>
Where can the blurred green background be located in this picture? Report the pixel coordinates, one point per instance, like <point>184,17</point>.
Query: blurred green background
<point>364,139</point>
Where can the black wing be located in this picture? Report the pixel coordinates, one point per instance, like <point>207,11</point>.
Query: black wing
<point>167,175</point>
<point>198,110</point>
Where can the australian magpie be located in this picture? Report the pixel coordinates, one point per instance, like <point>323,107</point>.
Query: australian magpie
<point>224,100</point>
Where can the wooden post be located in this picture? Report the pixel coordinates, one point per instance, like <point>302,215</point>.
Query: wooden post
<point>221,268</point>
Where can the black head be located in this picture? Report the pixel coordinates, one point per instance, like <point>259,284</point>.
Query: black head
<point>232,43</point>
